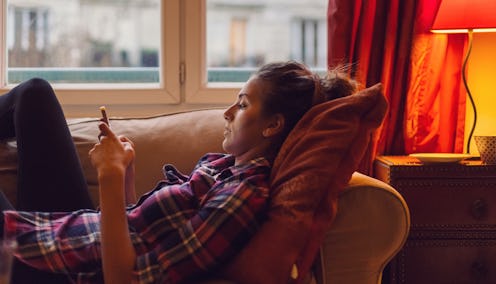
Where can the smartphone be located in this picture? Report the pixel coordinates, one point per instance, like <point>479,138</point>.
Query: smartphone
<point>105,119</point>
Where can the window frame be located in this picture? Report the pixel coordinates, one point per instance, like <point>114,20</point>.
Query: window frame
<point>198,89</point>
<point>183,72</point>
<point>80,100</point>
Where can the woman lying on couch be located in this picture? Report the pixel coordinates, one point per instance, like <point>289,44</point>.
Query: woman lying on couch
<point>185,227</point>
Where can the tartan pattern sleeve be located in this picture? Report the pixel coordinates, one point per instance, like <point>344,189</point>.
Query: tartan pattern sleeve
<point>182,229</point>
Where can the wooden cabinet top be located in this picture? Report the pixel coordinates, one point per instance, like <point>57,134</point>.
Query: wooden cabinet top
<point>389,168</point>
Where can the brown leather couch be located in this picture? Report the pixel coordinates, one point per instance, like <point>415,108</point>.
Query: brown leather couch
<point>372,221</point>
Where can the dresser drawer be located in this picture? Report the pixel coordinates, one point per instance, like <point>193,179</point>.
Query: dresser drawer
<point>453,221</point>
<point>446,261</point>
<point>449,203</point>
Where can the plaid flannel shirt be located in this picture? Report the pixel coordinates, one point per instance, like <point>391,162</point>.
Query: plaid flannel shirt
<point>182,229</point>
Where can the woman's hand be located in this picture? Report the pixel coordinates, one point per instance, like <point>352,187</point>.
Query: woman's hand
<point>112,153</point>
<point>107,155</point>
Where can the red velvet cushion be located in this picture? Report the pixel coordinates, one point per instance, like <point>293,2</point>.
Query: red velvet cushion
<point>313,166</point>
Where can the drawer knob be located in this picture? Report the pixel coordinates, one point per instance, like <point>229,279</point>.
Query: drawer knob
<point>479,209</point>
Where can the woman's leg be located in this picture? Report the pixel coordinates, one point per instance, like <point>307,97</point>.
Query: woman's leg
<point>4,204</point>
<point>50,177</point>
<point>49,172</point>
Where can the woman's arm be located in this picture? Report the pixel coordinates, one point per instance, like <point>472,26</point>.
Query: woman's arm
<point>129,182</point>
<point>112,158</point>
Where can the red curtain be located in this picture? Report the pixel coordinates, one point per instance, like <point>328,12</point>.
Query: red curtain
<point>435,109</point>
<point>388,41</point>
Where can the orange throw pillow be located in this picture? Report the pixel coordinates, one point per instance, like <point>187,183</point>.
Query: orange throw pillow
<point>314,165</point>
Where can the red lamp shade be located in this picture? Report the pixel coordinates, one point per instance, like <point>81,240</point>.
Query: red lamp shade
<point>460,16</point>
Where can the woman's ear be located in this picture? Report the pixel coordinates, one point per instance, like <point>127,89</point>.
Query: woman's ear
<point>275,126</point>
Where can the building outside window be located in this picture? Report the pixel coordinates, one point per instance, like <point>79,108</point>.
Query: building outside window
<point>243,35</point>
<point>157,52</point>
<point>69,40</point>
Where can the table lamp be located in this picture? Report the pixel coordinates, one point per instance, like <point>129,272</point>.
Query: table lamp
<point>466,16</point>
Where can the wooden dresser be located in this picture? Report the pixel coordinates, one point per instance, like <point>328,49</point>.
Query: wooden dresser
<point>453,220</point>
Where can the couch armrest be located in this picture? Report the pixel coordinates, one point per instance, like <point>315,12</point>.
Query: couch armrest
<point>371,226</point>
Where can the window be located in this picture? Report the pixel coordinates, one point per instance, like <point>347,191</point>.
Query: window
<point>27,31</point>
<point>95,52</point>
<point>149,56</point>
<point>309,41</point>
<point>84,41</point>
<point>227,40</point>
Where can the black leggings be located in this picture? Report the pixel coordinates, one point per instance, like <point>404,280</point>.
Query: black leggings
<point>50,177</point>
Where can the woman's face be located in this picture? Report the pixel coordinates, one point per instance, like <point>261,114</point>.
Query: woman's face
<point>246,128</point>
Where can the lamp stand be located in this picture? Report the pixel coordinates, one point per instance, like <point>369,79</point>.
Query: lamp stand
<point>464,77</point>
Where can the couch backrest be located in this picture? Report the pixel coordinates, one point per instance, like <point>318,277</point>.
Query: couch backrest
<point>178,138</point>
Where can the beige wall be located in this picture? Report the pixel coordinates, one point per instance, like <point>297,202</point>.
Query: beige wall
<point>482,83</point>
